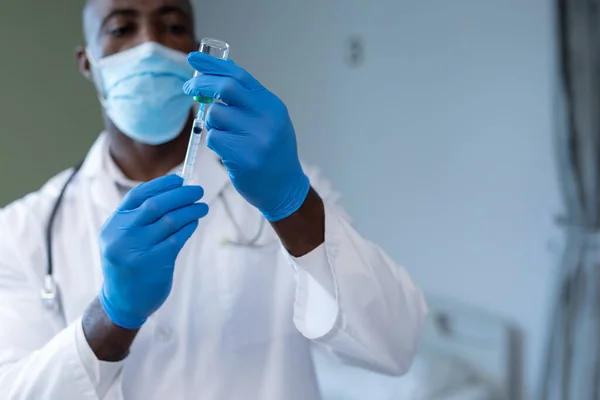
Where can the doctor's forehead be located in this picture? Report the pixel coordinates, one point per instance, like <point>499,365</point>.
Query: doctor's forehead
<point>95,12</point>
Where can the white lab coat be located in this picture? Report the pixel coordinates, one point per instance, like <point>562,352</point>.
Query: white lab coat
<point>239,322</point>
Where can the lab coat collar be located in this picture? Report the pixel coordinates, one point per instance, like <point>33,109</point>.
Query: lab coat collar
<point>209,172</point>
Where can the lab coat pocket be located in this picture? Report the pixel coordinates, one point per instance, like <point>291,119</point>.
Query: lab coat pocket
<point>257,289</point>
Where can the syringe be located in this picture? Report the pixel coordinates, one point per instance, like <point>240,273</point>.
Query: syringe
<point>218,49</point>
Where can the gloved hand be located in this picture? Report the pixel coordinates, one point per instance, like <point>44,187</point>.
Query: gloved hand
<point>253,134</point>
<point>139,244</point>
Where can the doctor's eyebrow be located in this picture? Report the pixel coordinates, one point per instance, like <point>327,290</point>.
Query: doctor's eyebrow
<point>132,13</point>
<point>174,10</point>
<point>125,12</point>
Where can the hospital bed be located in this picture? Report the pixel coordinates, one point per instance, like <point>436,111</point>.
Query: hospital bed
<point>465,354</point>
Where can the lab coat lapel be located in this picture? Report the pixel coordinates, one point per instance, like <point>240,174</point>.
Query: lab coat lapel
<point>104,192</point>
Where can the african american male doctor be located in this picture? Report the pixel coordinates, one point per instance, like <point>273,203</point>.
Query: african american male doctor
<point>119,282</point>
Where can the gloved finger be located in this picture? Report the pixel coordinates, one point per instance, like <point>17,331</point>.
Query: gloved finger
<point>210,65</point>
<point>173,244</point>
<point>223,88</point>
<point>174,221</point>
<point>225,118</point>
<point>158,206</point>
<point>138,195</point>
<point>220,142</point>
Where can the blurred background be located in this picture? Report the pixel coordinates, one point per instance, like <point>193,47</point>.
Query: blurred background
<point>434,119</point>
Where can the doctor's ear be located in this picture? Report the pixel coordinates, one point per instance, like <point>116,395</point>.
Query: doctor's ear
<point>83,62</point>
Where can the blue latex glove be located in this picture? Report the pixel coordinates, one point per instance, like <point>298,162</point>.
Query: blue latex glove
<point>139,244</point>
<point>253,134</point>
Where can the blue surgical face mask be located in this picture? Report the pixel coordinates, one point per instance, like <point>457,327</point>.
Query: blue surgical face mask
<point>141,91</point>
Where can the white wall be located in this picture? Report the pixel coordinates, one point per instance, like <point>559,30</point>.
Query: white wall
<point>441,141</point>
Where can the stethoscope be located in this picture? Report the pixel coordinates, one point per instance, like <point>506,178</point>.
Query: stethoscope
<point>50,293</point>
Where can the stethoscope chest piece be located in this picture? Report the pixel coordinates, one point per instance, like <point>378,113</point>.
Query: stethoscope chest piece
<point>49,294</point>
